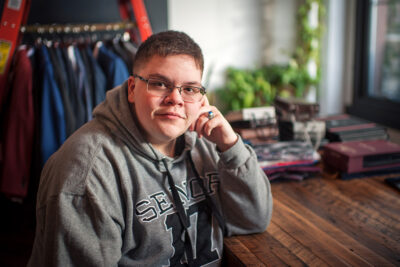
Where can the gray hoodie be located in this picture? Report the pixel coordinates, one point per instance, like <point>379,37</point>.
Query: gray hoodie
<point>104,198</point>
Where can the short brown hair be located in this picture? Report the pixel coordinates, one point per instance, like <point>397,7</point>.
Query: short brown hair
<point>168,43</point>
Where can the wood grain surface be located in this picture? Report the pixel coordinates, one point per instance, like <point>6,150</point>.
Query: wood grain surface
<point>325,222</point>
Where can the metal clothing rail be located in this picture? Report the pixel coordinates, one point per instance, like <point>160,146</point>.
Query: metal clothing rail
<point>76,28</point>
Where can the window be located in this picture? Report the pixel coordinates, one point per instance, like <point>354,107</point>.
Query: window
<point>377,62</point>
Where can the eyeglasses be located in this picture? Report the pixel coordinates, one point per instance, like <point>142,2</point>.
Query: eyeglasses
<point>158,87</point>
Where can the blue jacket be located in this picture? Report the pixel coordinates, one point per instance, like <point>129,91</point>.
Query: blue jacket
<point>113,66</point>
<point>53,132</point>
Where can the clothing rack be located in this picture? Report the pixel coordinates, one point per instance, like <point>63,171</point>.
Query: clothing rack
<point>76,28</point>
<point>15,14</point>
<point>67,72</point>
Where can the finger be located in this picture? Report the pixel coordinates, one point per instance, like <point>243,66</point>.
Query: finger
<point>208,127</point>
<point>203,109</point>
<point>201,121</point>
<point>213,120</point>
<point>205,103</point>
<point>212,123</point>
<point>201,113</point>
<point>205,106</point>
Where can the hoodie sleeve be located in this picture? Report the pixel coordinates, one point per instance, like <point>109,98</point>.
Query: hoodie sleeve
<point>79,221</point>
<point>75,230</point>
<point>245,192</point>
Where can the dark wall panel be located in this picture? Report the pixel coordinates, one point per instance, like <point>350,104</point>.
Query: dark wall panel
<point>158,14</point>
<point>73,11</point>
<point>92,11</point>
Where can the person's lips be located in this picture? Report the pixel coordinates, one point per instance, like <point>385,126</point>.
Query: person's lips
<point>172,115</point>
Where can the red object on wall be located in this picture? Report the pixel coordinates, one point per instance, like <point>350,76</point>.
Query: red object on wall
<point>135,10</point>
<point>142,19</point>
<point>15,13</point>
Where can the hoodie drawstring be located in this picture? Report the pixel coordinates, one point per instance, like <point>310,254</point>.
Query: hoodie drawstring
<point>182,215</point>
<point>181,211</point>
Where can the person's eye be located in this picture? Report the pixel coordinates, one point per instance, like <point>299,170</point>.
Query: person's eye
<point>190,89</point>
<point>157,84</point>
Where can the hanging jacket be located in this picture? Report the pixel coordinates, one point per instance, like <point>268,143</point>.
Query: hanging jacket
<point>116,47</point>
<point>83,83</point>
<point>99,81</point>
<point>77,100</point>
<point>18,129</point>
<point>62,82</point>
<point>53,132</point>
<point>113,67</point>
<point>104,198</point>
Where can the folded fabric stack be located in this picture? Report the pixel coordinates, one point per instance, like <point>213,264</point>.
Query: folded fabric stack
<point>294,160</point>
<point>255,125</point>
<point>345,127</point>
<point>296,121</point>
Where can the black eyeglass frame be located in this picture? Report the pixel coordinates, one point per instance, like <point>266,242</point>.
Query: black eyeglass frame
<point>201,89</point>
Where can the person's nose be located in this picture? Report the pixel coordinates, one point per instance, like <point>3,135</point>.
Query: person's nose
<point>175,96</point>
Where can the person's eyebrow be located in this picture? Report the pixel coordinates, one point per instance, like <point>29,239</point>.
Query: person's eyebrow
<point>164,78</point>
<point>158,76</point>
<point>193,83</point>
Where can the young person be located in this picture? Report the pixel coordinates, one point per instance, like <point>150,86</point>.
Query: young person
<point>157,178</point>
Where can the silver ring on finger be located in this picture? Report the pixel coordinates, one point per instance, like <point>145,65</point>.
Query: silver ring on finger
<point>210,115</point>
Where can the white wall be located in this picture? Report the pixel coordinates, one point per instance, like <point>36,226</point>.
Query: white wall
<point>228,31</point>
<point>279,24</point>
<point>238,33</point>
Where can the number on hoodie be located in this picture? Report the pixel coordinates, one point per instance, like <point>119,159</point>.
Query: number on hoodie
<point>202,250</point>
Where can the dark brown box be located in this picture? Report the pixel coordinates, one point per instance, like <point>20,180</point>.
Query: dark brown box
<point>362,156</point>
<point>295,109</point>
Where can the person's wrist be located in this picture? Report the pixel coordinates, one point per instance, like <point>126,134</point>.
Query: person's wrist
<point>228,143</point>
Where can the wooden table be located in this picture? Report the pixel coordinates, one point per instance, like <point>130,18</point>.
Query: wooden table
<point>325,222</point>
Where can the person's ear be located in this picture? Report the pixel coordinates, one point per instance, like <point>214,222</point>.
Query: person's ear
<point>131,89</point>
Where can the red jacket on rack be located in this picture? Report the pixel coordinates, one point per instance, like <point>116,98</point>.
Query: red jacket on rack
<point>18,129</point>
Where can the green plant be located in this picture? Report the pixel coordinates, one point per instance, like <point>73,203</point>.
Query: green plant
<point>258,87</point>
<point>308,43</point>
<point>245,88</point>
<point>291,80</point>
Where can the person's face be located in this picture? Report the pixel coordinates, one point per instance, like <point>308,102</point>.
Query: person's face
<point>165,118</point>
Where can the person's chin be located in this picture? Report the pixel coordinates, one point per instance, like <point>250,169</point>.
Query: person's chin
<point>173,132</point>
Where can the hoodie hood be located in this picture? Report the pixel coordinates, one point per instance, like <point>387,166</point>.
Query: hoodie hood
<point>117,114</point>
